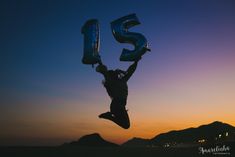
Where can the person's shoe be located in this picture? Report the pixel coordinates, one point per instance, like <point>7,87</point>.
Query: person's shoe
<point>106,115</point>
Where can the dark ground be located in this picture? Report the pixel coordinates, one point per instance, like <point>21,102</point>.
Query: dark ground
<point>76,151</point>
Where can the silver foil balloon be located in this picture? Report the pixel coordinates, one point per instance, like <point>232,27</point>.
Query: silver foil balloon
<point>91,42</point>
<point>120,32</point>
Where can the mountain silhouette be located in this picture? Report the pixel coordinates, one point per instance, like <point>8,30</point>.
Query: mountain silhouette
<point>216,132</point>
<point>137,142</point>
<point>92,140</point>
<point>204,134</point>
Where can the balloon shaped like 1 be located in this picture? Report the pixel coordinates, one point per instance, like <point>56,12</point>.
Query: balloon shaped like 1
<point>91,42</point>
<point>120,32</point>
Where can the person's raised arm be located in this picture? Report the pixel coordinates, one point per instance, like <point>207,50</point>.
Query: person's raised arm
<point>130,71</point>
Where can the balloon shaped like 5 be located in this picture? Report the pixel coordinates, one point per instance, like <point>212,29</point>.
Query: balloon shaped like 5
<point>120,32</point>
<point>91,42</point>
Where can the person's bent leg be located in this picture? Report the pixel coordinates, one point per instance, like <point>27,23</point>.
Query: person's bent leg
<point>118,113</point>
<point>121,117</point>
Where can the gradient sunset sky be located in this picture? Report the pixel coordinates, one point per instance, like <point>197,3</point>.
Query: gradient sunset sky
<point>47,96</point>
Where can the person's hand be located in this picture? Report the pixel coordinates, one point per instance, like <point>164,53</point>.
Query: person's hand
<point>100,62</point>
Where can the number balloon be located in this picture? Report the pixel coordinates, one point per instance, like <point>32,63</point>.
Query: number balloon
<point>120,32</point>
<point>91,42</point>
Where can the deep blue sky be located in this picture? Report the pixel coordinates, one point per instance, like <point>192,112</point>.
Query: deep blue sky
<point>41,41</point>
<point>192,45</point>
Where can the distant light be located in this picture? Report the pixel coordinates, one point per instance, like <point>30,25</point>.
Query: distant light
<point>220,135</point>
<point>202,141</point>
<point>226,134</point>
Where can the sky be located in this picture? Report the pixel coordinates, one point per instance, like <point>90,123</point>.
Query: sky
<point>48,97</point>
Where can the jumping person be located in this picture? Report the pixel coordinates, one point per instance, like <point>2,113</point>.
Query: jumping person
<point>115,82</point>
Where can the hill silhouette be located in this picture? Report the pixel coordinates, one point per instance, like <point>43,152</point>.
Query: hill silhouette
<point>92,140</point>
<point>205,134</point>
<point>137,142</point>
<point>216,131</point>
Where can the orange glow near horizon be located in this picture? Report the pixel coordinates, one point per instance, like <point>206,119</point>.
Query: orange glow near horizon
<point>66,121</point>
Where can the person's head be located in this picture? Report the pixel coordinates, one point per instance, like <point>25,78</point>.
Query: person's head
<point>102,69</point>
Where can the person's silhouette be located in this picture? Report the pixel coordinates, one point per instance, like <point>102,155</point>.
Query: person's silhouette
<point>116,85</point>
